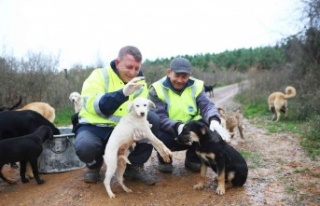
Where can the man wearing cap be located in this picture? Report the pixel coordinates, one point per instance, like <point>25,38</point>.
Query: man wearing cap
<point>180,98</point>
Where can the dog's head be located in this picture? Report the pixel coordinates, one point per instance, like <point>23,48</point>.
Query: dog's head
<point>195,131</point>
<point>44,132</point>
<point>75,97</point>
<point>192,132</point>
<point>140,106</point>
<point>223,120</point>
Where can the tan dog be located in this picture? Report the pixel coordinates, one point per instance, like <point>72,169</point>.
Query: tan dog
<point>278,102</point>
<point>42,108</point>
<point>131,128</point>
<point>231,121</point>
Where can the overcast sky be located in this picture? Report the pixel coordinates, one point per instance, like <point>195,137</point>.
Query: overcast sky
<point>82,31</point>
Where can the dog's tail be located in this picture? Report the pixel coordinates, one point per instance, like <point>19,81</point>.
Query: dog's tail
<point>290,92</point>
<point>125,159</point>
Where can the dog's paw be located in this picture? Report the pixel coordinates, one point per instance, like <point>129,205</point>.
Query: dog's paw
<point>12,181</point>
<point>220,190</point>
<point>127,190</point>
<point>112,196</point>
<point>24,180</point>
<point>167,154</point>
<point>40,182</point>
<point>198,186</point>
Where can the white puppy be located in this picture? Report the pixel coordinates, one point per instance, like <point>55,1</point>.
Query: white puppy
<point>75,98</point>
<point>131,128</point>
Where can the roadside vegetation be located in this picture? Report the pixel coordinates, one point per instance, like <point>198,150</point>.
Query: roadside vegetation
<point>294,61</point>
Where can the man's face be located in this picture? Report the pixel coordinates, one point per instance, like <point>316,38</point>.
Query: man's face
<point>127,67</point>
<point>178,80</point>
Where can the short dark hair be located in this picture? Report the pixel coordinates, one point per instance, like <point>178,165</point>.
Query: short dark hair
<point>131,50</point>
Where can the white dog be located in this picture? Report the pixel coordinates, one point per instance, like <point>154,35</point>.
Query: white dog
<point>131,128</point>
<point>75,98</point>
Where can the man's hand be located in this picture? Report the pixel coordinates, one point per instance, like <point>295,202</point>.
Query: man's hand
<point>132,86</point>
<point>214,125</point>
<point>139,134</point>
<point>180,128</point>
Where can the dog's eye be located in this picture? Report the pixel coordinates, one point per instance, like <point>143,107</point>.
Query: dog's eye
<point>145,105</point>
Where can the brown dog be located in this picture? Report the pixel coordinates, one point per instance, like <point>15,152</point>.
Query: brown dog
<point>231,121</point>
<point>42,108</point>
<point>278,102</point>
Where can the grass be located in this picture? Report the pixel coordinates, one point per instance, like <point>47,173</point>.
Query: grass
<point>309,130</point>
<point>63,117</point>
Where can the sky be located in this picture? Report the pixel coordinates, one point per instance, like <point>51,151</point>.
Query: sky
<point>85,31</point>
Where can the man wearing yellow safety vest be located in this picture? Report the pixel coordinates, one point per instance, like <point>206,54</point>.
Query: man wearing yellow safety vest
<point>106,94</point>
<point>180,98</point>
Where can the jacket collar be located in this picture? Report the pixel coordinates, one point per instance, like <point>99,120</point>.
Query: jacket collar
<point>167,83</point>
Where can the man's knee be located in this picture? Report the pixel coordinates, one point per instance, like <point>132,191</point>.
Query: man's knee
<point>154,119</point>
<point>88,148</point>
<point>141,153</point>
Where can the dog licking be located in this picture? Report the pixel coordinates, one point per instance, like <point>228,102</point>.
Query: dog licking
<point>130,129</point>
<point>230,167</point>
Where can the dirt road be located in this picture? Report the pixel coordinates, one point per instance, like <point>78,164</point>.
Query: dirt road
<point>280,173</point>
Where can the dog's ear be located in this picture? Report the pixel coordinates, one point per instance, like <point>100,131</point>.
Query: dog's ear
<point>152,104</point>
<point>221,111</point>
<point>238,110</point>
<point>203,128</point>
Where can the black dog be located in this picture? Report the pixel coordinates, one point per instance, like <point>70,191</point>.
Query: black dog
<point>230,166</point>
<point>209,89</point>
<point>19,123</point>
<point>24,149</point>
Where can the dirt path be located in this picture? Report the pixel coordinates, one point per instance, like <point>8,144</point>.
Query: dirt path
<point>280,173</point>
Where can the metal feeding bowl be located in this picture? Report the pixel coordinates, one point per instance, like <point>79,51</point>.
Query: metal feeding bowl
<point>58,154</point>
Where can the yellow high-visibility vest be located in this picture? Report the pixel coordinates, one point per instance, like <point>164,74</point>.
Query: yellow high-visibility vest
<point>99,82</point>
<point>180,107</point>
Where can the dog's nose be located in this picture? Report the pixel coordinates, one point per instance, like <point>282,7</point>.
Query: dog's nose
<point>142,114</point>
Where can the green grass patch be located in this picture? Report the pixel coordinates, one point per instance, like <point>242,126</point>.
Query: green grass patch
<point>254,110</point>
<point>63,117</point>
<point>309,130</point>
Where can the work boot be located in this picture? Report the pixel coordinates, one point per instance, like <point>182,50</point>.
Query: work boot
<point>165,167</point>
<point>92,175</point>
<point>193,166</point>
<point>135,172</point>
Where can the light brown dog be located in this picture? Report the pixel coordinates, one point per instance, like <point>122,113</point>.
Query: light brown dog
<point>231,121</point>
<point>278,102</point>
<point>42,108</point>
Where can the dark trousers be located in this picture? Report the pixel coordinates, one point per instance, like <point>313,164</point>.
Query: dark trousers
<point>91,141</point>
